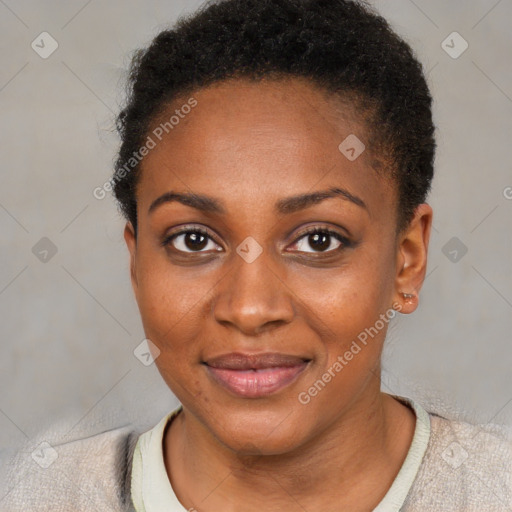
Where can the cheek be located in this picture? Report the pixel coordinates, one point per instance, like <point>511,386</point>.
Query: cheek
<point>165,291</point>
<point>344,308</point>
<point>347,298</point>
<point>346,318</point>
<point>169,312</point>
<point>170,301</point>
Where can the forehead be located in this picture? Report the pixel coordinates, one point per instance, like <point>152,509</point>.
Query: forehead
<point>245,140</point>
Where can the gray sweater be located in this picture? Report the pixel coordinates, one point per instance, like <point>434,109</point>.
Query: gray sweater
<point>465,468</point>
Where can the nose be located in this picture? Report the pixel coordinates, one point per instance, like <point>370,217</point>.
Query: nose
<point>253,298</point>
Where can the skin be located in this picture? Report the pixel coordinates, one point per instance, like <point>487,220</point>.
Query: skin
<point>249,145</point>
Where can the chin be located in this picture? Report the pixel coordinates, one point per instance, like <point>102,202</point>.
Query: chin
<point>259,434</point>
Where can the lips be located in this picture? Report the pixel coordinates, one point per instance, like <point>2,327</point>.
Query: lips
<point>255,375</point>
<point>239,361</point>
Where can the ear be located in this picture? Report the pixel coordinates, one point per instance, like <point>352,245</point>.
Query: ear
<point>412,251</point>
<point>131,243</point>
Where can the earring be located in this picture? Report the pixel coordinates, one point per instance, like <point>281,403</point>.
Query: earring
<point>408,295</point>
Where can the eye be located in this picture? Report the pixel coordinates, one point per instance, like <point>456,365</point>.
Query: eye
<point>321,240</point>
<point>197,240</point>
<point>190,240</point>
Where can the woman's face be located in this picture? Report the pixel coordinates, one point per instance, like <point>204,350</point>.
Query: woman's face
<point>260,280</point>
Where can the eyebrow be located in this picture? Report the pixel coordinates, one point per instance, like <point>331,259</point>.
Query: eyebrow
<point>288,205</point>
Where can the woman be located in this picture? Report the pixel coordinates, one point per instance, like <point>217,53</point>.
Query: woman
<point>275,162</point>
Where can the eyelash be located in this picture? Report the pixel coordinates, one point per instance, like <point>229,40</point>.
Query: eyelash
<point>345,242</point>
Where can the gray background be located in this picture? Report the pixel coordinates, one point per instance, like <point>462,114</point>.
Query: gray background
<point>70,325</point>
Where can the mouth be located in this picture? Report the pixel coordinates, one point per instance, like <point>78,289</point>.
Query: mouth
<point>255,375</point>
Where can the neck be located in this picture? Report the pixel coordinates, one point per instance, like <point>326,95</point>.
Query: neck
<point>351,464</point>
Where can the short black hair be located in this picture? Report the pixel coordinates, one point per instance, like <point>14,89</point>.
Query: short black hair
<point>343,46</point>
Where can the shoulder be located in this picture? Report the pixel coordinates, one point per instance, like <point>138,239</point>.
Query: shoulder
<point>464,467</point>
<point>77,472</point>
